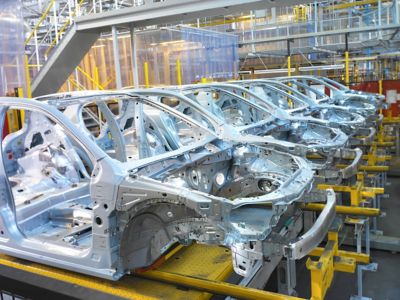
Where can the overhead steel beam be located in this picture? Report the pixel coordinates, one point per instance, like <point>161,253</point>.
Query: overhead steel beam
<point>171,11</point>
<point>321,33</point>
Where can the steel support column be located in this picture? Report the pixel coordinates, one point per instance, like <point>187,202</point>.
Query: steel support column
<point>116,58</point>
<point>135,72</point>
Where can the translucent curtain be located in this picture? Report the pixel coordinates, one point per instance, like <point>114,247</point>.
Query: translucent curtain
<point>12,59</point>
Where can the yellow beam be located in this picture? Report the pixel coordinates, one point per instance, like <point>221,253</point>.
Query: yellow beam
<point>342,209</point>
<point>289,66</point>
<point>358,257</point>
<point>369,192</point>
<point>380,158</point>
<point>357,191</point>
<point>178,72</point>
<point>347,72</point>
<point>380,86</point>
<point>146,74</point>
<point>373,168</point>
<point>383,144</point>
<point>389,138</point>
<point>367,168</point>
<point>28,79</point>
<point>365,191</point>
<point>215,287</point>
<point>351,4</point>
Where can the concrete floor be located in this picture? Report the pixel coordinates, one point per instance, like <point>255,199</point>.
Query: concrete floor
<point>381,285</point>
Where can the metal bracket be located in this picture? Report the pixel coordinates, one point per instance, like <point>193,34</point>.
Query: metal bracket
<point>372,267</point>
<point>287,277</point>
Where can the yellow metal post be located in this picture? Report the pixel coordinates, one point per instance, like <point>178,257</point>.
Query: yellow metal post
<point>380,86</point>
<point>346,60</point>
<point>146,74</point>
<point>28,78</point>
<point>178,72</point>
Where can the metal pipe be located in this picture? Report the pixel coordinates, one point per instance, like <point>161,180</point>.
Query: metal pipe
<point>345,210</point>
<point>116,57</point>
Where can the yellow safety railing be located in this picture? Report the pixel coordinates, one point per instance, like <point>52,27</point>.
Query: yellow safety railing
<point>63,28</point>
<point>44,15</point>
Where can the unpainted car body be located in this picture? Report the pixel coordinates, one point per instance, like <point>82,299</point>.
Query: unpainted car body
<point>70,204</point>
<point>274,126</point>
<point>298,104</point>
<point>367,105</point>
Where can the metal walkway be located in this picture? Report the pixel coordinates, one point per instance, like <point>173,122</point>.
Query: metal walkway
<point>86,29</point>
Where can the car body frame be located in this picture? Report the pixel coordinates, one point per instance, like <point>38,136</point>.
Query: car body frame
<point>69,204</point>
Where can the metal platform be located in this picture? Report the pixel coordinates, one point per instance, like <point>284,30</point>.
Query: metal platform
<point>201,261</point>
<point>86,29</point>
